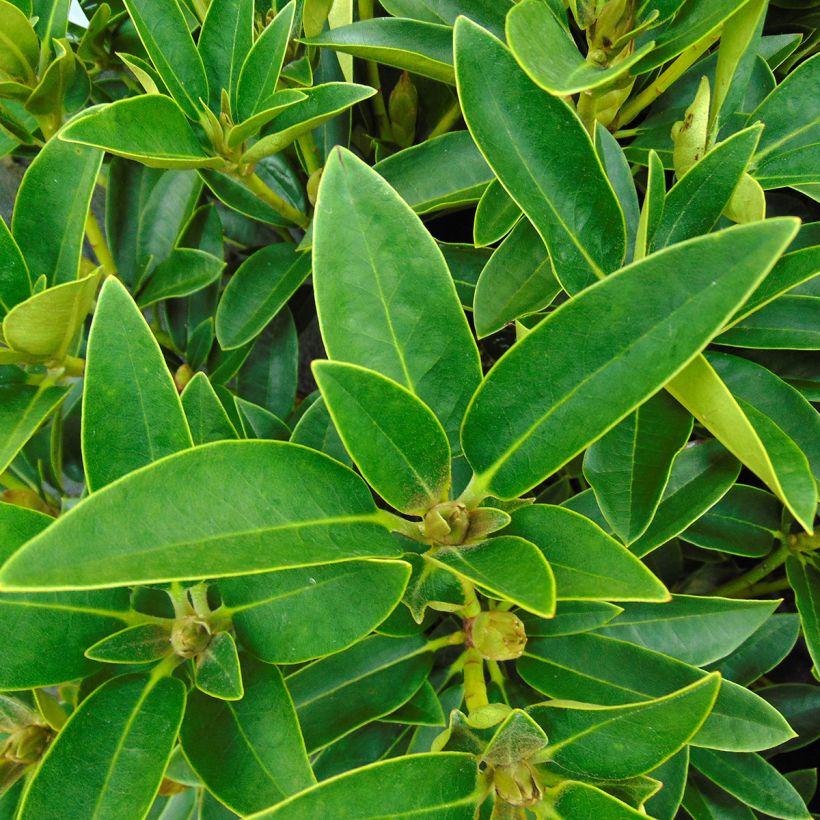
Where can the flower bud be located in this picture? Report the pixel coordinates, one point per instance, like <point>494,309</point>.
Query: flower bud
<point>689,135</point>
<point>190,636</point>
<point>27,744</point>
<point>497,635</point>
<point>446,523</point>
<point>517,784</point>
<point>403,107</point>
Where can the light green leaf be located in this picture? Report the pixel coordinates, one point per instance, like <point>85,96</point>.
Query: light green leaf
<point>259,422</point>
<point>206,415</point>
<point>441,785</point>
<point>23,408</point>
<point>395,440</point>
<point>125,370</point>
<point>257,291</point>
<point>603,570</point>
<point>131,722</point>
<point>572,800</point>
<point>185,271</point>
<point>586,391</point>
<point>20,51</point>
<point>217,669</point>
<point>516,126</point>
<point>248,752</point>
<point>384,295</point>
<point>619,173</point>
<point>224,42</point>
<point>291,616</point>
<point>150,129</point>
<point>142,643</point>
<point>15,281</point>
<point>246,494</point>
<point>495,215</point>
<point>164,32</point>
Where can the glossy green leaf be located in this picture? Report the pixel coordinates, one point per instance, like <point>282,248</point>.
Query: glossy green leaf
<point>46,324</point>
<point>570,618</point>
<point>150,129</point>
<point>629,467</point>
<point>395,440</point>
<point>337,694</point>
<point>444,172</point>
<point>744,522</point>
<point>587,392</point>
<point>789,322</point>
<point>582,228</point>
<point>804,579</point>
<point>619,173</point>
<point>259,288</point>
<point>164,32</point>
<point>694,629</point>
<point>248,752</point>
<point>291,616</point>
<point>259,422</point>
<point>217,669</point>
<point>224,43</point>
<point>508,566</point>
<point>798,703</point>
<point>466,263</point>
<point>125,369</point>
<point>625,741</point>
<point>132,723</point>
<point>701,475</point>
<point>441,785</point>
<point>665,804</point>
<point>15,281</point>
<point>703,800</point>
<point>489,13</point>
<point>603,570</point>
<point>495,215</point>
<point>106,542</point>
<point>45,636</point>
<point>20,49</point>
<point>273,105</point>
<point>599,669</point>
<point>753,781</point>
<point>423,709</point>
<point>185,271</point>
<point>142,643</point>
<point>548,54</point>
<point>517,280</point>
<point>260,71</point>
<point>206,416</point>
<point>573,799</point>
<point>316,430</point>
<point>365,267</point>
<point>23,408</point>
<point>322,103</point>
<point>49,220</point>
<point>422,48</point>
<point>652,208</point>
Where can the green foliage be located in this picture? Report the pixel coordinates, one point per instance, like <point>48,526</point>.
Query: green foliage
<point>409,409</point>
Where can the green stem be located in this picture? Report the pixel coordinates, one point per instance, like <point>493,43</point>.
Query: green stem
<point>372,69</point>
<point>675,71</point>
<point>475,686</point>
<point>766,567</point>
<point>474,493</point>
<point>100,247</point>
<point>471,606</point>
<point>767,587</point>
<point>255,184</point>
<point>453,639</point>
<point>448,119</point>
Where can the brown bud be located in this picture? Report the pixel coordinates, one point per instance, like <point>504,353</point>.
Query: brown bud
<point>517,784</point>
<point>497,635</point>
<point>183,375</point>
<point>403,107</point>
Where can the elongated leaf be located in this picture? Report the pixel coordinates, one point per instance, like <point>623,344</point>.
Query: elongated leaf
<point>260,71</point>
<point>337,694</point>
<point>665,804</point>
<point>384,295</point>
<point>49,220</point>
<point>224,42</point>
<point>125,369</point>
<point>291,616</point>
<point>15,281</point>
<point>603,670</point>
<point>273,105</point>
<point>570,618</point>
<point>185,271</point>
<point>516,126</point>
<point>23,408</point>
<point>443,172</point>
<point>629,467</point>
<point>573,799</point>
<point>703,799</point>
<point>603,570</point>
<point>21,51</point>
<point>249,752</point>
<point>548,54</point>
<point>397,443</point>
<point>625,741</point>
<point>677,290</point>
<point>619,174</point>
<point>508,566</point>
<point>516,281</point>
<point>142,643</point>
<point>132,723</point>
<point>789,322</point>
<point>150,129</point>
<point>431,785</point>
<point>489,13</point>
<point>804,578</point>
<point>495,215</point>
<point>206,416</point>
<point>422,48</point>
<point>93,546</point>
<point>701,475</point>
<point>261,286</point>
<point>694,629</point>
<point>164,32</point>
<point>316,430</point>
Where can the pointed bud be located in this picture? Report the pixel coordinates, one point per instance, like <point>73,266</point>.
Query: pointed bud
<point>689,134</point>
<point>403,107</point>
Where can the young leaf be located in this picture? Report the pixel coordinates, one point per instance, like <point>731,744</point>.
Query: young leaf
<point>495,215</point>
<point>624,741</point>
<point>365,265</point>
<point>164,32</point>
<point>15,281</point>
<point>132,723</point>
<point>217,669</point>
<point>508,566</point>
<point>125,369</point>
<point>248,752</point>
<point>443,784</point>
<point>292,616</point>
<point>585,392</point>
<point>257,291</point>
<point>224,43</point>
<point>603,570</point>
<point>516,126</point>
<point>142,643</point>
<point>263,513</point>
<point>150,129</point>
<point>629,467</point>
<point>49,220</point>
<point>395,440</point>
<point>204,411</point>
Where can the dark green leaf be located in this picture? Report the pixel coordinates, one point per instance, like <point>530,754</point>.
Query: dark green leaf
<point>206,415</point>
<point>217,669</point>
<point>224,42</point>
<point>184,272</point>
<point>142,643</point>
